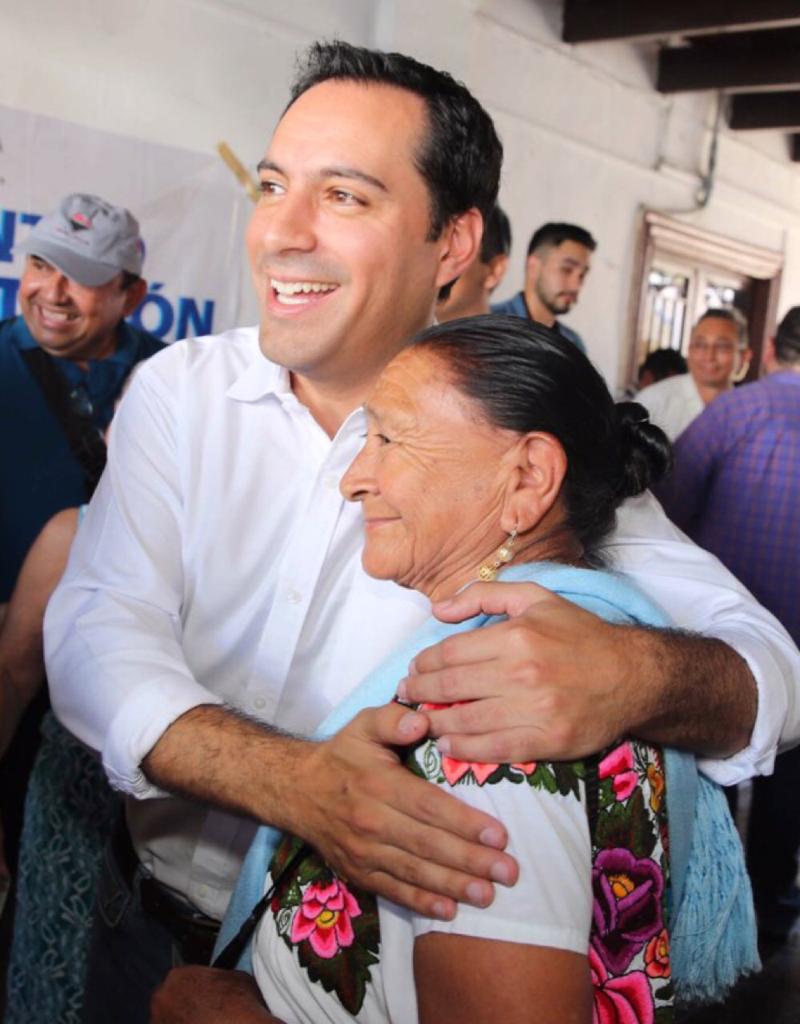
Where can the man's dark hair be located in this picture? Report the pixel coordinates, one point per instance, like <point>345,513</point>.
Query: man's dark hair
<point>787,338</point>
<point>732,315</point>
<point>496,235</point>
<point>128,280</point>
<point>525,377</point>
<point>459,157</point>
<point>552,235</point>
<point>664,362</point>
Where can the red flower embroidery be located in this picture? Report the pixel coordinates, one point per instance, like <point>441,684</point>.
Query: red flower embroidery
<point>454,770</point>
<point>623,1000</point>
<point>324,918</point>
<point>618,765</point>
<point>656,956</point>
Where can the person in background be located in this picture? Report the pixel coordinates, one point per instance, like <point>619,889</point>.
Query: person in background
<point>69,805</point>
<point>659,365</point>
<point>63,362</point>
<point>718,352</point>
<point>470,295</point>
<point>559,258</point>
<point>736,491</point>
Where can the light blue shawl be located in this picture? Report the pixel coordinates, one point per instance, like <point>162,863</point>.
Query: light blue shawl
<point>713,929</point>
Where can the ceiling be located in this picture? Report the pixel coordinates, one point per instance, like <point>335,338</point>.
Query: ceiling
<point>749,49</point>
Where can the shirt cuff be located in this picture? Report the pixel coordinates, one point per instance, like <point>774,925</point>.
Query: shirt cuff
<point>139,724</point>
<point>758,757</point>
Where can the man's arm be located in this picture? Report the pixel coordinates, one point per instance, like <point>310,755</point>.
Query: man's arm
<point>556,682</point>
<point>566,682</point>
<point>120,681</point>
<point>349,796</point>
<point>21,654</point>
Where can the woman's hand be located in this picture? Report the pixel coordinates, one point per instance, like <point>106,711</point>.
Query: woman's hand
<point>207,995</point>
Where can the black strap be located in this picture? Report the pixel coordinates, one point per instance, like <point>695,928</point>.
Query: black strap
<point>85,440</point>
<point>229,957</point>
<point>592,766</point>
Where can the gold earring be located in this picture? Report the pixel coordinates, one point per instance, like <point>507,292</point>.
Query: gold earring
<point>488,571</point>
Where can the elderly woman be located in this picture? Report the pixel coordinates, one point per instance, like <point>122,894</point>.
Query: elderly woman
<point>493,447</point>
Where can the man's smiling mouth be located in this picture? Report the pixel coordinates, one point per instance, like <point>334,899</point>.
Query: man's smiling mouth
<point>296,293</point>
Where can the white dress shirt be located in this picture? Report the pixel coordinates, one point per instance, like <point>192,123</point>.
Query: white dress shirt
<point>219,563</point>
<point>672,403</point>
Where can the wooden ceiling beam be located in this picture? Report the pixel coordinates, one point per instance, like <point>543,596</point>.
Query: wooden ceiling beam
<point>594,20</point>
<point>765,110</point>
<point>690,68</point>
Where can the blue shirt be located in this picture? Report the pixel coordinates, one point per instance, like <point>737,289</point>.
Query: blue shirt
<point>735,489</point>
<point>519,307</point>
<point>39,475</point>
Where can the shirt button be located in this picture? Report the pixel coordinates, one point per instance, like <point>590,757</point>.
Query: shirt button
<point>203,892</point>
<point>294,597</point>
<point>259,703</point>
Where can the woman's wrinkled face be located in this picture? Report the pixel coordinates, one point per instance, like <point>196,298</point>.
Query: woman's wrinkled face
<point>431,477</point>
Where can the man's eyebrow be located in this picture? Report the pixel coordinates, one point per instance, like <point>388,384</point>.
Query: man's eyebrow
<point>340,171</point>
<point>268,165</point>
<point>352,172</point>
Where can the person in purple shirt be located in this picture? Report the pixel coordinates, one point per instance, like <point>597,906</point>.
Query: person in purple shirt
<point>735,490</point>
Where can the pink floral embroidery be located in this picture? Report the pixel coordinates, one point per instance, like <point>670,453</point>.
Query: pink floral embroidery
<point>618,766</point>
<point>324,918</point>
<point>624,1000</point>
<point>454,770</point>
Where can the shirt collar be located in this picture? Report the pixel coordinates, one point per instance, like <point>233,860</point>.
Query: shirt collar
<point>262,377</point>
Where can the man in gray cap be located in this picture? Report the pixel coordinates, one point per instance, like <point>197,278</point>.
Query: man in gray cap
<point>62,365</point>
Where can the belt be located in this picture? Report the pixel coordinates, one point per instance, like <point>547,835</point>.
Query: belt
<point>193,932</point>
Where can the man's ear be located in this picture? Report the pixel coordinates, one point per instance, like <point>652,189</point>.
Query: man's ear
<point>535,482</point>
<point>743,365</point>
<point>498,266</point>
<point>134,294</point>
<point>768,357</point>
<point>533,266</point>
<point>462,240</point>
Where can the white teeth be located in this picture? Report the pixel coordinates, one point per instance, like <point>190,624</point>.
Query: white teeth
<point>286,288</point>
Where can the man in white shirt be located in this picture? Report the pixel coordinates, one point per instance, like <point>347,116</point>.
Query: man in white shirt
<point>219,567</point>
<point>717,354</point>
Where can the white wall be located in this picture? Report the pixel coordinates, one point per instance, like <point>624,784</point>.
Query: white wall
<point>587,138</point>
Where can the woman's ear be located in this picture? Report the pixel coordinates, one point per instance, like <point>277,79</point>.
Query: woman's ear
<point>534,483</point>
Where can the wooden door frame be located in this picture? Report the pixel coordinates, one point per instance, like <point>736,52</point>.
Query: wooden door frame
<point>663,234</point>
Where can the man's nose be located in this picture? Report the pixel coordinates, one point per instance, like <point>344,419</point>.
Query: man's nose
<point>289,224</point>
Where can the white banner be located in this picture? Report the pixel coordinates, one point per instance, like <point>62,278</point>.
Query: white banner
<point>191,210</point>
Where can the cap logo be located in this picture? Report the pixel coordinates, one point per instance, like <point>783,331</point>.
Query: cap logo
<point>80,221</point>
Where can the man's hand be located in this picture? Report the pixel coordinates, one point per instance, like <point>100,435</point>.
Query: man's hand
<point>390,832</point>
<point>350,797</point>
<point>556,682</point>
<point>205,995</point>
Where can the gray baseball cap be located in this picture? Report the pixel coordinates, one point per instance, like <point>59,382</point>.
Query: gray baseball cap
<point>88,240</point>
